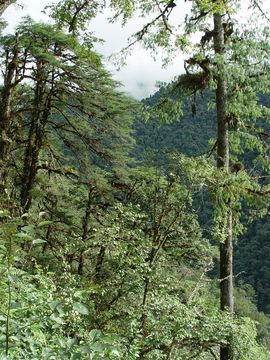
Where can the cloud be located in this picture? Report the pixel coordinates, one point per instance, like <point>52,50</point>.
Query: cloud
<point>141,73</point>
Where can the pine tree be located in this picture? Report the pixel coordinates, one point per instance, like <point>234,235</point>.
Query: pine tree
<point>66,102</point>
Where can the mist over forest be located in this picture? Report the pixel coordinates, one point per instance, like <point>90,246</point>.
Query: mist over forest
<point>135,229</point>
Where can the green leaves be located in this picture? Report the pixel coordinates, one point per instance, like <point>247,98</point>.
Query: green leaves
<point>80,308</point>
<point>124,251</point>
<point>44,223</point>
<point>4,214</point>
<point>39,242</point>
<point>74,15</point>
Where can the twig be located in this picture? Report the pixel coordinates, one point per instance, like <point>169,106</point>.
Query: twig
<point>261,10</point>
<point>140,34</point>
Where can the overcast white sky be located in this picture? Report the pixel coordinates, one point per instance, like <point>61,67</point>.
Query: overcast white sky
<point>141,73</point>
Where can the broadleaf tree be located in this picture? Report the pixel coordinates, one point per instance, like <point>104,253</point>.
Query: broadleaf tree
<point>215,56</point>
<point>114,247</point>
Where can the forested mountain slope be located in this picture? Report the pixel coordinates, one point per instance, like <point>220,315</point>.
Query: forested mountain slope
<point>194,134</point>
<point>100,255</point>
<point>108,248</point>
<point>189,135</point>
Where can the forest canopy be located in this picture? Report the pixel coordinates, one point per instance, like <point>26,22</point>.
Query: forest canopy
<point>119,218</point>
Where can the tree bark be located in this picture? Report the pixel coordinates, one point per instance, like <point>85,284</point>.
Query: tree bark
<point>5,107</point>
<point>226,247</point>
<point>99,263</point>
<point>30,168</point>
<point>42,105</point>
<point>4,4</point>
<point>85,229</point>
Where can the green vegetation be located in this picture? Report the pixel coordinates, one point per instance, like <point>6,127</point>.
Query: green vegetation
<point>111,226</point>
<point>154,144</point>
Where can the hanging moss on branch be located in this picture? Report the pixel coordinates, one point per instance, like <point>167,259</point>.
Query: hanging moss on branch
<point>193,82</point>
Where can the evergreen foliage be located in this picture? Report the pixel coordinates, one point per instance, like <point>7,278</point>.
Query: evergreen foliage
<point>154,144</point>
<point>102,254</point>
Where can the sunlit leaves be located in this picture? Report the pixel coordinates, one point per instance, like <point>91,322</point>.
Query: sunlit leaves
<point>74,15</point>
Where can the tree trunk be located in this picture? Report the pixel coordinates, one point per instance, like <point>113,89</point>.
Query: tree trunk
<point>4,4</point>
<point>85,228</point>
<point>226,248</point>
<point>98,268</point>
<point>5,107</point>
<point>42,105</point>
<point>30,168</point>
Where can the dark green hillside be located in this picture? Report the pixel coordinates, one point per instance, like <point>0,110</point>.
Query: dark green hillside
<point>191,135</point>
<point>252,258</point>
<point>112,228</point>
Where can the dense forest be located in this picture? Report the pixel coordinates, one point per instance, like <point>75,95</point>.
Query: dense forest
<point>182,136</point>
<point>135,230</point>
